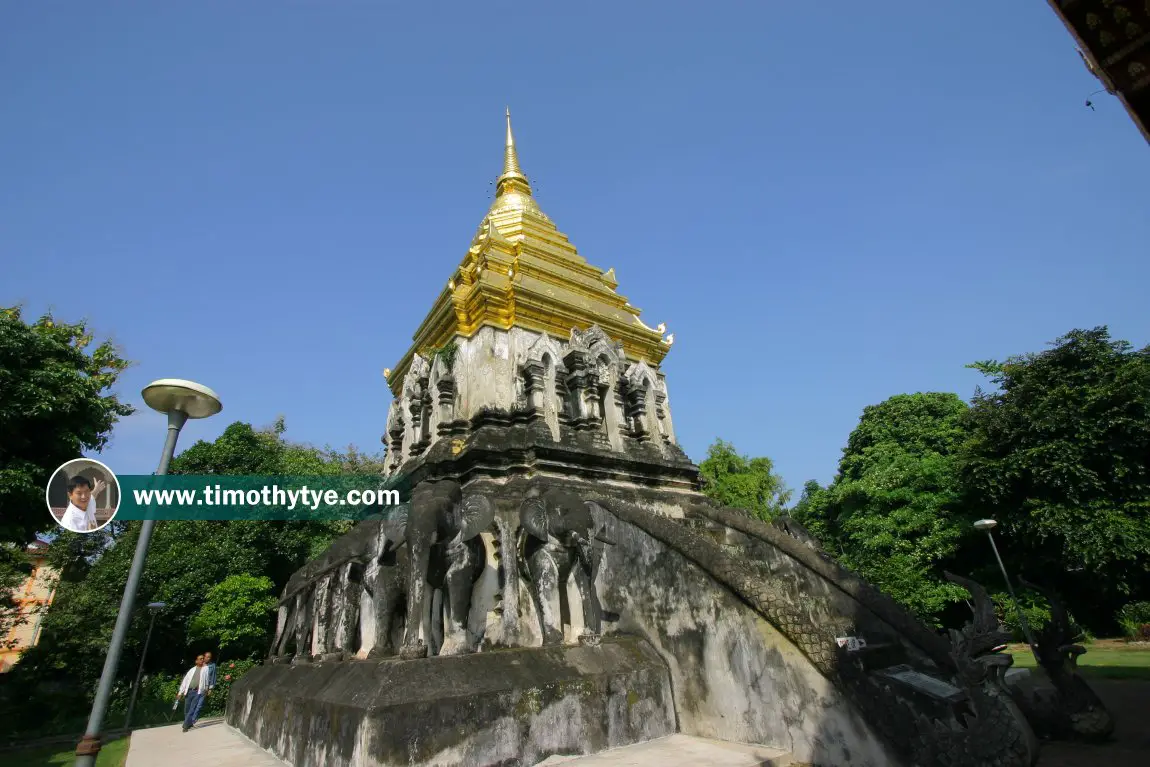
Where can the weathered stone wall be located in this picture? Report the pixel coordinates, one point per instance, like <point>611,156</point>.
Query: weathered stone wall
<point>494,708</point>
<point>485,368</point>
<point>735,676</point>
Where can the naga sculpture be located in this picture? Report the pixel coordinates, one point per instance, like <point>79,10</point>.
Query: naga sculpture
<point>975,723</point>
<point>1074,709</point>
<point>791,527</point>
<point>555,545</point>
<point>447,556</point>
<point>997,733</point>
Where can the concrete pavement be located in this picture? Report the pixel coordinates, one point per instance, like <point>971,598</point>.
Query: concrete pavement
<point>213,744</point>
<point>678,751</point>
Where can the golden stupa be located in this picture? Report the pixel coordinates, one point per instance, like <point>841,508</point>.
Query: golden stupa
<point>521,271</point>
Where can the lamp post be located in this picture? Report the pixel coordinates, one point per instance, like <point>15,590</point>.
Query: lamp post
<point>155,607</point>
<point>179,400</point>
<point>986,525</point>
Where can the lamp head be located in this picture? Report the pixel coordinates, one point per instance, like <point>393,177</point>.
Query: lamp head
<point>157,605</point>
<point>985,525</point>
<point>174,394</point>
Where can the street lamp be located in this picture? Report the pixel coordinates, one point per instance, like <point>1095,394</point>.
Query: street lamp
<point>179,400</point>
<point>986,525</point>
<point>155,607</point>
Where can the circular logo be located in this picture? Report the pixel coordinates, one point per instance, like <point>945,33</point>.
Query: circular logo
<point>83,495</point>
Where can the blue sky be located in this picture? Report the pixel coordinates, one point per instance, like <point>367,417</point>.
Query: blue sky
<point>827,203</point>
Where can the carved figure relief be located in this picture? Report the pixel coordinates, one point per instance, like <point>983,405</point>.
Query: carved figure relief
<point>664,411</point>
<point>610,400</point>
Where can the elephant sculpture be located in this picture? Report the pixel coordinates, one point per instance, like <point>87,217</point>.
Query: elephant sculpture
<point>556,531</point>
<point>319,608</point>
<point>309,616</point>
<point>387,577</point>
<point>347,586</point>
<point>446,558</point>
<point>293,605</point>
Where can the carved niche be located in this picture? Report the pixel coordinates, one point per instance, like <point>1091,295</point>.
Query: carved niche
<point>393,438</point>
<point>416,401</point>
<point>642,404</point>
<point>442,391</point>
<point>599,392</point>
<point>543,371</point>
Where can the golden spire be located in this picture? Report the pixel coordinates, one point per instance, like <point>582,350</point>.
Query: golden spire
<point>520,271</point>
<point>512,179</point>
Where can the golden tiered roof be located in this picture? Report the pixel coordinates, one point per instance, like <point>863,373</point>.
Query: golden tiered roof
<point>521,271</point>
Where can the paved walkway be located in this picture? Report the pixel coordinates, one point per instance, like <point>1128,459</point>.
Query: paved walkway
<point>678,751</point>
<point>211,743</point>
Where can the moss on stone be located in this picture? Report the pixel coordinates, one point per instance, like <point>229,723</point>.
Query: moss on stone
<point>530,703</point>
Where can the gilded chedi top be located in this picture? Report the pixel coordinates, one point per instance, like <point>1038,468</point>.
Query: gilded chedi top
<point>521,271</point>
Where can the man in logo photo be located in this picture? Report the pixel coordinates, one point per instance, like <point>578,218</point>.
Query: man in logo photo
<point>80,516</point>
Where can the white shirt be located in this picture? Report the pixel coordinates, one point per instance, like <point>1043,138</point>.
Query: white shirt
<point>201,687</point>
<point>79,520</point>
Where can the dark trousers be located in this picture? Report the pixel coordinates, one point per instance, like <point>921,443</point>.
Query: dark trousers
<point>193,702</point>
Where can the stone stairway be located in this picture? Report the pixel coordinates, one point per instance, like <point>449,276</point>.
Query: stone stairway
<point>679,751</point>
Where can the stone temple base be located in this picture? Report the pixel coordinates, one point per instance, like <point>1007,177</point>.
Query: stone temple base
<point>504,707</point>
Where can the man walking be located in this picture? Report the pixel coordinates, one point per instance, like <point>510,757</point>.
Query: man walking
<point>193,689</point>
<point>210,667</point>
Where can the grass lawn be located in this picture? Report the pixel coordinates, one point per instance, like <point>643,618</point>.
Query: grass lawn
<point>1106,658</point>
<point>113,754</point>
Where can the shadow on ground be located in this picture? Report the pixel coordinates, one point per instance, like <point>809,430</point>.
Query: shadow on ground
<point>1129,702</point>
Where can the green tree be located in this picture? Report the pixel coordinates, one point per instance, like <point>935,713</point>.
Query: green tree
<point>54,403</point>
<point>1059,454</point>
<point>744,483</point>
<point>893,512</point>
<point>236,616</point>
